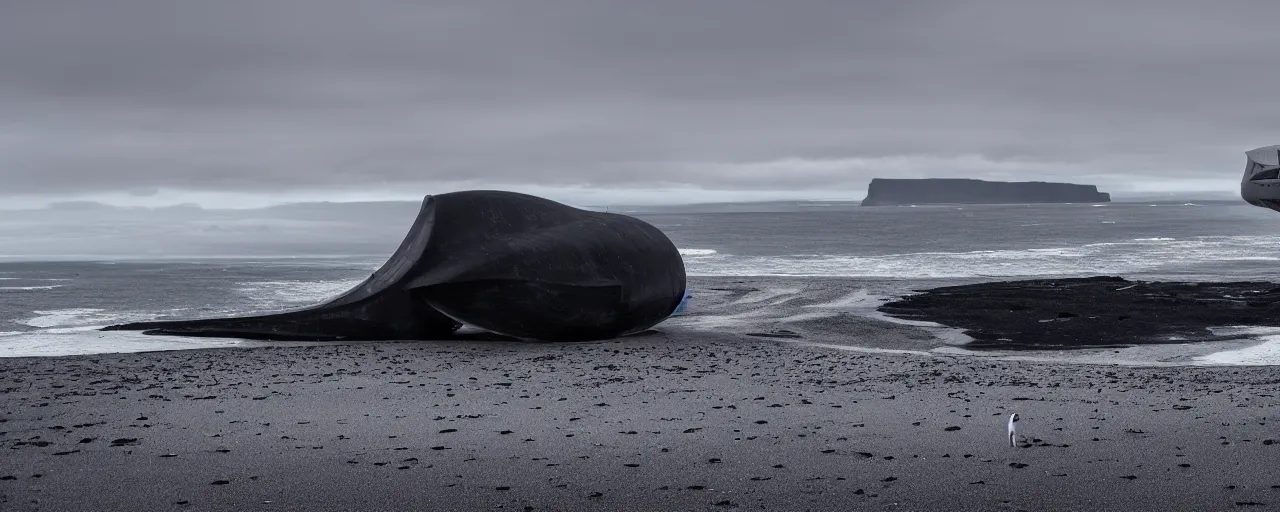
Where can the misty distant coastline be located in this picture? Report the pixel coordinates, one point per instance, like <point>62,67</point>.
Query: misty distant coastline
<point>85,231</point>
<point>363,208</point>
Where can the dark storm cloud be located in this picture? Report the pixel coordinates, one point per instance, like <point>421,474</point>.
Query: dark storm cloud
<point>134,96</point>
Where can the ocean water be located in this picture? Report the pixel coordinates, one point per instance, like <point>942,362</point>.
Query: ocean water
<point>56,307</point>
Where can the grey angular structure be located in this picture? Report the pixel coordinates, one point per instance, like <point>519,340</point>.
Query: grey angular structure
<point>508,263</point>
<point>1261,183</point>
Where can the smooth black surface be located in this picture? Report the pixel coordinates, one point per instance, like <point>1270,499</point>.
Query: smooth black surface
<point>1092,312</point>
<point>509,263</point>
<point>884,192</point>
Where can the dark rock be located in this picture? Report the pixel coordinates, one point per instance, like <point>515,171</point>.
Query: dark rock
<point>1154,312</point>
<point>968,191</point>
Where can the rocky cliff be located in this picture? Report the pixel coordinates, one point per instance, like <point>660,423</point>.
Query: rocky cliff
<point>966,191</point>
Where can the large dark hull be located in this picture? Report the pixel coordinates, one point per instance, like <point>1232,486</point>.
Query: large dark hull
<point>509,263</point>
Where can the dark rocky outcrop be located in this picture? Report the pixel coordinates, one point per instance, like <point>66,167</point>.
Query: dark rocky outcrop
<point>1095,312</point>
<point>884,192</point>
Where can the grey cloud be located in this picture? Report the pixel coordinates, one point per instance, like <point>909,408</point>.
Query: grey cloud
<point>134,96</point>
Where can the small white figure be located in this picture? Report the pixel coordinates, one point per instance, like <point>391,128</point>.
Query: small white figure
<point>1013,430</point>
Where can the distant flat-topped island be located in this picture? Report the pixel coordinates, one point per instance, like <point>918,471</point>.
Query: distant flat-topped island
<point>890,192</point>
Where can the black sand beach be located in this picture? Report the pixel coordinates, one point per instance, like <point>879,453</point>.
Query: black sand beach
<point>680,420</point>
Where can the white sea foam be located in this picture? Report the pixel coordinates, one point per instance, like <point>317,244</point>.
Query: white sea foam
<point>853,348</point>
<point>72,330</point>
<point>30,288</point>
<point>697,252</point>
<point>786,299</point>
<point>295,291</point>
<point>716,321</point>
<point>43,344</point>
<point>857,300</point>
<point>80,318</point>
<point>903,321</point>
<point>60,317</point>
<point>1265,353</point>
<point>1125,258</point>
<point>1245,330</point>
<point>77,331</point>
<point>866,304</point>
<point>805,317</point>
<point>764,295</point>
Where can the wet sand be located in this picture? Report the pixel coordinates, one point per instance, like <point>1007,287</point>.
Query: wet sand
<point>681,420</point>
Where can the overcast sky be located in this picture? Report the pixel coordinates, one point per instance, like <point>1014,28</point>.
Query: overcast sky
<point>243,102</point>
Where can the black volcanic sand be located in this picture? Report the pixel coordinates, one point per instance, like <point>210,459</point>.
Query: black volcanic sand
<point>673,421</point>
<point>1091,312</point>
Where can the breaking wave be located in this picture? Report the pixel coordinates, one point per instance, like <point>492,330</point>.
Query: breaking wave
<point>294,291</point>
<point>74,317</point>
<point>1143,255</point>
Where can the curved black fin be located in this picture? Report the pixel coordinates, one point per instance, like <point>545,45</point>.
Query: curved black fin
<point>379,308</point>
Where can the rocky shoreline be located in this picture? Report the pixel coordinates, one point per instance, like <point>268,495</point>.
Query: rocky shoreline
<point>1093,312</point>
